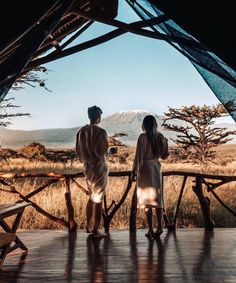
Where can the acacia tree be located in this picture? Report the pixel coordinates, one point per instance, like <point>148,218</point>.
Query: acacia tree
<point>197,136</point>
<point>7,112</point>
<point>32,78</point>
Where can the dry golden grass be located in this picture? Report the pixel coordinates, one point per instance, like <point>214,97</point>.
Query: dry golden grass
<point>52,199</point>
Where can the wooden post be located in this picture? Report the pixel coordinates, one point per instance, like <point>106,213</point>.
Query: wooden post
<point>106,219</point>
<point>179,201</point>
<point>204,202</point>
<point>106,224</point>
<point>114,207</point>
<point>133,212</point>
<point>72,225</point>
<point>169,225</point>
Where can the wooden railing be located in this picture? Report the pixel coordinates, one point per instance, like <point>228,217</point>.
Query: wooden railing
<point>210,181</point>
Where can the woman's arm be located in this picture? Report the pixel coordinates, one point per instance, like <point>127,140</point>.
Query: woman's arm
<point>163,144</point>
<point>138,160</point>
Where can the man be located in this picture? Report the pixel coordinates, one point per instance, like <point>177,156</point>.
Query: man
<point>92,147</point>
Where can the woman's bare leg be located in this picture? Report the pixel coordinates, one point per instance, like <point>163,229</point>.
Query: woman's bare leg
<point>159,213</point>
<point>148,212</point>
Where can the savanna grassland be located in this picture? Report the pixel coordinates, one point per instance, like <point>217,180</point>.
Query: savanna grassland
<point>52,198</point>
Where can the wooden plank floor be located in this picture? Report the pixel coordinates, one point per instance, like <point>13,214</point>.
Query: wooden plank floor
<point>189,255</point>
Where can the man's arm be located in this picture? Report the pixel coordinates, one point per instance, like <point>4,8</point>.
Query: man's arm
<point>105,145</point>
<point>102,144</point>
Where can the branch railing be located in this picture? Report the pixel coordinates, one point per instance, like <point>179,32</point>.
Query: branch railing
<point>210,181</point>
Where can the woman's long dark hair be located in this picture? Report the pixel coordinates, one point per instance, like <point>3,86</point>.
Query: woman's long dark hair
<point>150,126</point>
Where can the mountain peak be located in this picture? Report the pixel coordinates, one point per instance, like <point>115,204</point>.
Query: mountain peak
<point>132,111</point>
<point>127,117</point>
<point>128,122</point>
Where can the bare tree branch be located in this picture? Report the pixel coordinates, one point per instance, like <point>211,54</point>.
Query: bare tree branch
<point>6,115</point>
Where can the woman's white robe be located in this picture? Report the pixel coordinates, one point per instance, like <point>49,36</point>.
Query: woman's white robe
<point>149,176</point>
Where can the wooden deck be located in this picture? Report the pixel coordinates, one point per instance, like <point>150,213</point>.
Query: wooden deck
<point>189,255</point>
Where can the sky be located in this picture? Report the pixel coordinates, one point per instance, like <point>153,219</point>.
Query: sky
<point>127,73</point>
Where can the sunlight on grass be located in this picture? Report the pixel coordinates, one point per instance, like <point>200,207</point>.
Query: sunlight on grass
<point>52,198</point>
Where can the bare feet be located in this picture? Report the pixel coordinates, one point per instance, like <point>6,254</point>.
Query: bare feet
<point>98,234</point>
<point>6,238</point>
<point>150,234</point>
<point>88,230</point>
<point>158,232</point>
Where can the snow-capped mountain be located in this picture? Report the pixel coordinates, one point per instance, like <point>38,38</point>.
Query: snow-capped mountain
<point>128,122</point>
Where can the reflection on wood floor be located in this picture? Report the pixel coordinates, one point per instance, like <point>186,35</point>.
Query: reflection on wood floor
<point>185,256</point>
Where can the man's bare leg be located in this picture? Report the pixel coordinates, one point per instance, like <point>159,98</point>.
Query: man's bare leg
<point>148,212</point>
<point>89,215</point>
<point>97,216</point>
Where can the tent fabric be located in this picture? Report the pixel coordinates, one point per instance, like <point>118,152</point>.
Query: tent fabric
<point>26,14</point>
<point>35,27</point>
<point>214,60</point>
<point>211,22</point>
<point>23,45</point>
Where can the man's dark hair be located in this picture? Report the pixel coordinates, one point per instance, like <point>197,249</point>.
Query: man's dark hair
<point>94,113</point>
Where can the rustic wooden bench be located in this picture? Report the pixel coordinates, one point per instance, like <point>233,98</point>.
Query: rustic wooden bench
<point>9,236</point>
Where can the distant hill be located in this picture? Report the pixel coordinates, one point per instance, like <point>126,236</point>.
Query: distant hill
<point>128,122</point>
<point>53,138</point>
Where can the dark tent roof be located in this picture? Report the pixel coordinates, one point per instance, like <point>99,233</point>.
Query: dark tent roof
<point>25,14</point>
<point>32,28</point>
<point>208,25</point>
<point>211,22</point>
<point>201,31</point>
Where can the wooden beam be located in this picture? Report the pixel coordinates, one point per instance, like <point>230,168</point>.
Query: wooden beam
<point>135,28</point>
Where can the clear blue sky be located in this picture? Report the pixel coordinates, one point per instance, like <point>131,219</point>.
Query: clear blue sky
<point>128,73</point>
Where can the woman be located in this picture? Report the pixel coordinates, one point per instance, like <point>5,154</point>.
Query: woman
<point>151,146</point>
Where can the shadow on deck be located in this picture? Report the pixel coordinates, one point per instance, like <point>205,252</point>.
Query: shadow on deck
<point>189,255</point>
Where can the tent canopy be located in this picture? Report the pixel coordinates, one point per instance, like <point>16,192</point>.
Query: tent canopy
<point>41,31</point>
<point>210,22</point>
